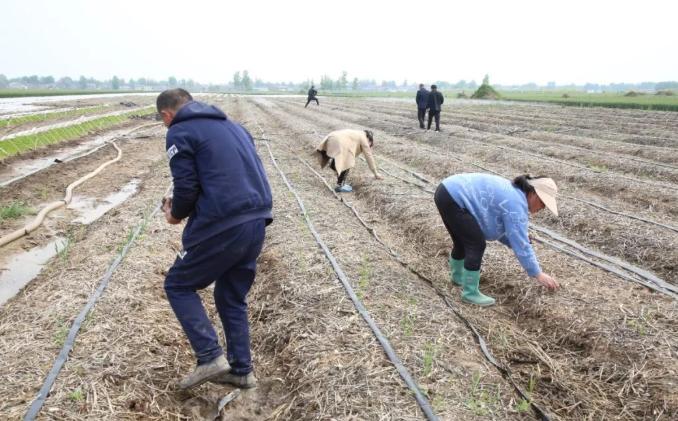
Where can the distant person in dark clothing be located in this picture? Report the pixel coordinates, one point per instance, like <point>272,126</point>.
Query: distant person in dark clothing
<point>312,96</point>
<point>435,100</point>
<point>422,104</point>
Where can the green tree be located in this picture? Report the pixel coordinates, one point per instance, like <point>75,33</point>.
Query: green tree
<point>115,83</point>
<point>237,81</point>
<point>3,81</point>
<point>354,85</point>
<point>132,84</point>
<point>65,82</point>
<point>486,80</point>
<point>326,83</point>
<point>246,80</point>
<point>82,82</point>
<point>342,83</point>
<point>172,81</point>
<point>46,80</point>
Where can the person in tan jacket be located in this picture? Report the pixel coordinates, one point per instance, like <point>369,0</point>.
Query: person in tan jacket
<point>341,148</point>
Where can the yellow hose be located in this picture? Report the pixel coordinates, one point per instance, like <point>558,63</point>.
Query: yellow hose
<point>55,205</point>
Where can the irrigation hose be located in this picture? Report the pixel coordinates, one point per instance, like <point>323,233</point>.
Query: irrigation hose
<point>61,359</point>
<point>33,225</point>
<point>386,345</point>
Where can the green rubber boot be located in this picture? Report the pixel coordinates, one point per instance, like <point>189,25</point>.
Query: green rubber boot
<point>456,270</point>
<point>471,293</point>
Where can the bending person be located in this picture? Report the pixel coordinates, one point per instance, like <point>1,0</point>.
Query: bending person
<point>341,148</point>
<point>480,207</point>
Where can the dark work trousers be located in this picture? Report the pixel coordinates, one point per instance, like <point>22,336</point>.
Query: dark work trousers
<point>432,114</point>
<point>230,259</point>
<point>311,99</point>
<point>421,114</point>
<point>467,237</point>
<point>341,178</point>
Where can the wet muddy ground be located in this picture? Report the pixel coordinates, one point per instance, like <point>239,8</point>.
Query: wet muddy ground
<point>601,347</point>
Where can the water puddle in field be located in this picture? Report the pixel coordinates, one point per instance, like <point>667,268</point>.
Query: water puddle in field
<point>91,209</point>
<point>24,266</point>
<point>30,103</point>
<point>18,170</point>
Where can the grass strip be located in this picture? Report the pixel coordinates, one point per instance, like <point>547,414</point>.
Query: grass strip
<point>15,93</point>
<point>17,145</point>
<point>607,100</point>
<point>34,118</point>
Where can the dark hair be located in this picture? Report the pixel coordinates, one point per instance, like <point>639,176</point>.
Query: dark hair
<point>421,85</point>
<point>434,87</point>
<point>523,184</point>
<point>172,99</point>
<point>370,136</point>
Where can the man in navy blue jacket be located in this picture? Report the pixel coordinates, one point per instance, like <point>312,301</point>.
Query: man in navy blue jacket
<point>221,187</point>
<point>422,104</point>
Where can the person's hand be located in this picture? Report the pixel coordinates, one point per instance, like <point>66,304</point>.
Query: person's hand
<point>547,281</point>
<point>379,177</point>
<point>167,210</point>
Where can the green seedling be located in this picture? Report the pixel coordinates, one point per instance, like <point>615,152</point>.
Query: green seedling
<point>480,401</point>
<point>524,404</point>
<point>429,355</point>
<point>61,334</point>
<point>364,278</point>
<point>76,395</point>
<point>14,210</point>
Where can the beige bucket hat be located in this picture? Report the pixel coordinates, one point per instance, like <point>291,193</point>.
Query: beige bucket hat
<point>547,191</point>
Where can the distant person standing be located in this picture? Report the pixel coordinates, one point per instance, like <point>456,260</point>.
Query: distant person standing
<point>435,101</point>
<point>312,96</point>
<point>422,104</point>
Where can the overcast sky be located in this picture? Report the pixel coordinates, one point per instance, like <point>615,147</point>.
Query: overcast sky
<point>515,41</point>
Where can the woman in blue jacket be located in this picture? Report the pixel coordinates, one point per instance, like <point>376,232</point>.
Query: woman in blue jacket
<point>480,207</point>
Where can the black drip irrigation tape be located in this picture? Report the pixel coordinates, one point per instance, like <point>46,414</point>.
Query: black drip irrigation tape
<point>505,372</point>
<point>595,205</point>
<point>642,277</point>
<point>61,359</point>
<point>592,204</point>
<point>647,279</point>
<point>386,345</point>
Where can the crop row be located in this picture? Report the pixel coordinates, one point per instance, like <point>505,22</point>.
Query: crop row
<point>34,141</point>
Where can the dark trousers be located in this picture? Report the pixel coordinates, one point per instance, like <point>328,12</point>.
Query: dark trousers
<point>432,114</point>
<point>230,259</point>
<point>421,114</point>
<point>467,237</point>
<point>309,101</point>
<point>341,178</point>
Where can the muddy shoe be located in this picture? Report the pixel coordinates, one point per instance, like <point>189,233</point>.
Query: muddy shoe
<point>248,381</point>
<point>205,372</point>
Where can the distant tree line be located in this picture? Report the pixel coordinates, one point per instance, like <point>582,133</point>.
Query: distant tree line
<point>243,81</point>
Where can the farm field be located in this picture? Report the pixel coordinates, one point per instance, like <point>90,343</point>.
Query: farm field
<point>605,346</point>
